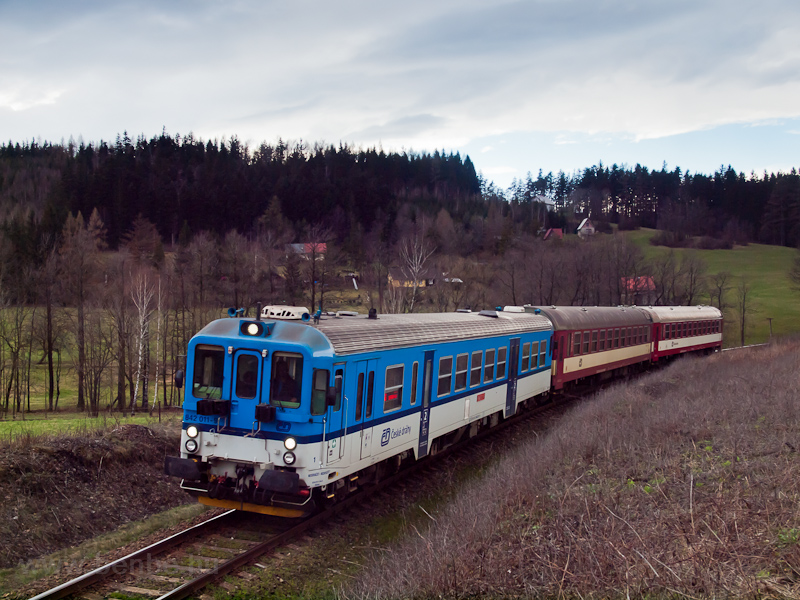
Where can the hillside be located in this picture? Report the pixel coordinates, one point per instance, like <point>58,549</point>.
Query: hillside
<point>765,268</point>
<point>683,482</point>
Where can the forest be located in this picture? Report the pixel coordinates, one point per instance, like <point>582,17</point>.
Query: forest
<point>113,255</point>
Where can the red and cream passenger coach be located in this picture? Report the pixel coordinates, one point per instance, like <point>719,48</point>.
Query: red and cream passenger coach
<point>597,341</point>
<point>680,329</point>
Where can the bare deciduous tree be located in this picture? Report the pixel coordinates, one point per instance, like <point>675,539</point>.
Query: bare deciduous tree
<point>414,255</point>
<point>142,293</point>
<point>692,273</point>
<point>743,306</point>
<point>719,284</point>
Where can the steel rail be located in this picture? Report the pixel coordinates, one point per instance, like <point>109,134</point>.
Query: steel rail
<point>124,564</point>
<point>745,347</point>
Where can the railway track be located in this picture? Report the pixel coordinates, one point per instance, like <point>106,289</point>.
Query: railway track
<point>183,564</point>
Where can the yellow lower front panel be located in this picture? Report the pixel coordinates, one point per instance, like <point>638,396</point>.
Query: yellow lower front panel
<point>277,511</point>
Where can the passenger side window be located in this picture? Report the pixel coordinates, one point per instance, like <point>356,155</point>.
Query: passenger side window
<point>526,355</point>
<point>501,362</point>
<point>462,363</point>
<point>586,342</point>
<point>534,354</point>
<point>393,391</point>
<point>445,375</point>
<point>576,347</point>
<point>602,342</point>
<point>488,369</point>
<point>542,353</point>
<point>475,371</point>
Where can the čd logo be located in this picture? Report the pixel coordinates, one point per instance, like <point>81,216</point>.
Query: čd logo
<point>385,436</point>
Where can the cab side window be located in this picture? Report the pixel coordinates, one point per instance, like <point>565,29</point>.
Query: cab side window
<point>319,391</point>
<point>207,378</point>
<point>287,379</point>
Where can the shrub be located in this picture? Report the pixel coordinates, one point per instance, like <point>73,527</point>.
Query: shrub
<point>670,239</point>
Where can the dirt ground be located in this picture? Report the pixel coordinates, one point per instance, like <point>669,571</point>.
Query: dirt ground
<point>58,492</point>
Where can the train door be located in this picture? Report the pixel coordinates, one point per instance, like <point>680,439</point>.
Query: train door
<point>364,400</point>
<point>425,415</point>
<point>511,385</point>
<point>336,419</point>
<point>245,389</point>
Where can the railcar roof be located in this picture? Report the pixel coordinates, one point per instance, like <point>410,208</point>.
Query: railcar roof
<point>349,335</point>
<point>670,314</point>
<point>591,317</point>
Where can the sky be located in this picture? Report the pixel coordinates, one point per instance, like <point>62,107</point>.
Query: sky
<point>518,86</point>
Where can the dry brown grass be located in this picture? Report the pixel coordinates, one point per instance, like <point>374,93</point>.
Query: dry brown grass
<point>682,483</point>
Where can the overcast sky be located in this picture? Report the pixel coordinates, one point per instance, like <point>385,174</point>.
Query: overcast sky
<point>518,85</point>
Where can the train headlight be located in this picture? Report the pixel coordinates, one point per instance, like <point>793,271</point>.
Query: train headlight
<point>290,443</point>
<point>251,328</point>
<point>192,431</point>
<point>289,458</point>
<point>191,446</point>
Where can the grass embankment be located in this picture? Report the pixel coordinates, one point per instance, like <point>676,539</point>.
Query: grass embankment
<point>764,268</point>
<point>685,482</point>
<point>58,491</point>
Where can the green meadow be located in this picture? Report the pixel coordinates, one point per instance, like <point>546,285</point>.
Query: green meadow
<point>765,268</point>
<point>36,424</point>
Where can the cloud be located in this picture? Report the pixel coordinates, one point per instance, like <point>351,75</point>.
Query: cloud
<point>413,74</point>
<point>403,128</point>
<point>20,100</point>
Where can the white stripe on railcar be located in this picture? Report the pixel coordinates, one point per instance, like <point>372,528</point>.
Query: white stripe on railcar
<point>698,340</point>
<point>598,359</point>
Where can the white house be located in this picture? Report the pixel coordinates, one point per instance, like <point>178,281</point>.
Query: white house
<point>585,229</point>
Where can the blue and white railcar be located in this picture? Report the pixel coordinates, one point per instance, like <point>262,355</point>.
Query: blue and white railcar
<point>279,416</point>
